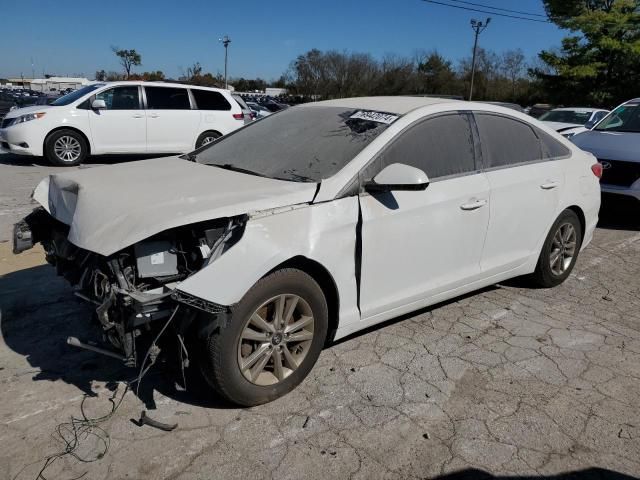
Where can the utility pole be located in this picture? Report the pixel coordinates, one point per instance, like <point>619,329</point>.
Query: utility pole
<point>478,27</point>
<point>225,41</point>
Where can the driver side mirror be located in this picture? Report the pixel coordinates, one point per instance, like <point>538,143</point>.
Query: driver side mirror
<point>398,176</point>
<point>98,104</point>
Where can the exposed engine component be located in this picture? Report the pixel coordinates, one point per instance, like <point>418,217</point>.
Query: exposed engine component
<point>133,288</point>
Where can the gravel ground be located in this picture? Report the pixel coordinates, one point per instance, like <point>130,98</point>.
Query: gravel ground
<point>508,381</point>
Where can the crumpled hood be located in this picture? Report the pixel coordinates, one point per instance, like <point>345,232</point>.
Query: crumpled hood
<point>112,207</point>
<point>559,126</point>
<point>623,146</point>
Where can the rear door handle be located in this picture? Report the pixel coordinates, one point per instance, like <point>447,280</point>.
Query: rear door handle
<point>473,205</point>
<point>549,185</point>
<point>154,115</point>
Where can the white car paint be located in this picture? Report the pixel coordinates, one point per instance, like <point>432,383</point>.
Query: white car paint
<point>569,129</point>
<point>122,131</point>
<point>418,247</point>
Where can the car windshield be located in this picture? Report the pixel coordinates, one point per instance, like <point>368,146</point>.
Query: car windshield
<point>303,144</point>
<point>625,118</point>
<point>73,96</point>
<point>566,116</point>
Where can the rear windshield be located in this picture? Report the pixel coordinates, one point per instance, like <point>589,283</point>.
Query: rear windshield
<point>566,116</point>
<point>303,144</point>
<point>625,118</point>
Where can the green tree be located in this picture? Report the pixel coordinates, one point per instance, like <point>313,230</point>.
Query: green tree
<point>128,59</point>
<point>438,76</point>
<point>599,61</point>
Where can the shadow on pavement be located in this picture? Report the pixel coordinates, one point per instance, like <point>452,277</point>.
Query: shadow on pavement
<point>619,212</point>
<point>587,474</point>
<point>38,312</point>
<point>28,161</point>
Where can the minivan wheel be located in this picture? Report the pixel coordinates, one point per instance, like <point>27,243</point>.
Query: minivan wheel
<point>560,251</point>
<point>206,138</point>
<point>274,338</point>
<point>66,148</point>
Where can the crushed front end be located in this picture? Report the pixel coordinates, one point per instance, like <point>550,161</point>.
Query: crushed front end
<point>131,290</point>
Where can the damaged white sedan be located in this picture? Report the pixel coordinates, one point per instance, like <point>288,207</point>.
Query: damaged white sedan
<point>258,249</point>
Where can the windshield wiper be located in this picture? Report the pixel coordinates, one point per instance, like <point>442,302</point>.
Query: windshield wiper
<point>229,166</point>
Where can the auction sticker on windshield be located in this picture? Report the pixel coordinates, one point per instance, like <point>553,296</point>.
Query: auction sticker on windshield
<point>379,117</point>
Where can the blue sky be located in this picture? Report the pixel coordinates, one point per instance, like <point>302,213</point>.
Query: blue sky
<point>74,37</point>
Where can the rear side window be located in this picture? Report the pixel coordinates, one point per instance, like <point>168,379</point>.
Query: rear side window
<point>551,148</point>
<point>440,147</point>
<point>506,141</point>
<point>167,98</point>
<point>208,100</point>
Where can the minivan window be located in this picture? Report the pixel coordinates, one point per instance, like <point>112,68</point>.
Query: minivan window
<point>441,146</point>
<point>121,98</point>
<point>625,118</point>
<point>167,98</point>
<point>209,100</point>
<point>69,98</point>
<point>506,141</point>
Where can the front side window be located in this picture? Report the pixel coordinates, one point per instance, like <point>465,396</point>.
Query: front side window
<point>625,118</point>
<point>210,100</point>
<point>167,98</point>
<point>441,146</point>
<point>121,98</point>
<point>506,141</point>
<point>301,144</point>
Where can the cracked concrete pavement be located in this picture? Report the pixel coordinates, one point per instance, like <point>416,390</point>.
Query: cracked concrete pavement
<point>509,380</point>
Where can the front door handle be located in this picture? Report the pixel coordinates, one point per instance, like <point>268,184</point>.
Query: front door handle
<point>137,115</point>
<point>549,185</point>
<point>473,205</point>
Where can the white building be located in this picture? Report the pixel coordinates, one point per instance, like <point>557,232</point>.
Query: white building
<point>51,84</point>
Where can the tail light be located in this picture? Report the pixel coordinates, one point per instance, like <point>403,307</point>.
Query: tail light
<point>238,116</point>
<point>596,168</point>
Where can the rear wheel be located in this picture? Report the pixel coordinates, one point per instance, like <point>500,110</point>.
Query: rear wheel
<point>207,137</point>
<point>66,148</point>
<point>274,338</point>
<point>560,251</point>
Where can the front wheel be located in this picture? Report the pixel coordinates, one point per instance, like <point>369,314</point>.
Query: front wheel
<point>66,148</point>
<point>560,251</point>
<point>207,138</point>
<point>274,338</point>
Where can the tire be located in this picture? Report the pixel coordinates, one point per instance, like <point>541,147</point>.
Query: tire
<point>227,347</point>
<point>207,137</point>
<point>560,251</point>
<point>66,148</point>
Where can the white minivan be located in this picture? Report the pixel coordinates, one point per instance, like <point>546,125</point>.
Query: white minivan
<point>121,117</point>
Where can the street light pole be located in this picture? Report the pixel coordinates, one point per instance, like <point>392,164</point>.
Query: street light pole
<point>478,27</point>
<point>225,41</point>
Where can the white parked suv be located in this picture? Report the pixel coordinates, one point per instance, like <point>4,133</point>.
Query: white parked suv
<point>121,117</point>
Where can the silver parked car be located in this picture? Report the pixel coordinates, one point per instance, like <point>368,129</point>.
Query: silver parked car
<point>615,141</point>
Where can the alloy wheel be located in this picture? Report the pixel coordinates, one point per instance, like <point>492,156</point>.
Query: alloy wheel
<point>275,339</point>
<point>67,148</point>
<point>563,249</point>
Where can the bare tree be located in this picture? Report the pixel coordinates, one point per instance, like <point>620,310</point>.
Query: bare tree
<point>128,59</point>
<point>513,66</point>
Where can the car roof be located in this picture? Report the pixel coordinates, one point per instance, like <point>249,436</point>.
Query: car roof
<point>162,84</point>
<point>398,105</point>
<point>577,109</point>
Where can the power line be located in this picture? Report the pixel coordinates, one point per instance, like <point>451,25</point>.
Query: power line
<point>500,9</point>
<point>486,11</point>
